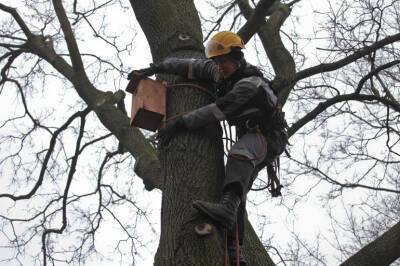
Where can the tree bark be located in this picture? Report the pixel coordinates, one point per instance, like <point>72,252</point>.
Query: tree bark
<point>193,165</point>
<point>381,252</point>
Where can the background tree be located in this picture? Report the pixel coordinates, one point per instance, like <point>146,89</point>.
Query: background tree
<point>68,151</point>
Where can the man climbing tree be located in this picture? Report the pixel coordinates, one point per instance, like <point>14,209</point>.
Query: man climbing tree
<point>247,101</point>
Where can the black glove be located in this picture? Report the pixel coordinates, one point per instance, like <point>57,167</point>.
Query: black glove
<point>136,75</point>
<point>166,133</point>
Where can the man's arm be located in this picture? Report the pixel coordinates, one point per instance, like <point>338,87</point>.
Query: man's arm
<point>199,69</point>
<point>242,92</point>
<point>189,68</point>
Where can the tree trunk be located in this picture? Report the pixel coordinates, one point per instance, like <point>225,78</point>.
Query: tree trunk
<point>193,161</point>
<point>193,165</point>
<point>381,252</point>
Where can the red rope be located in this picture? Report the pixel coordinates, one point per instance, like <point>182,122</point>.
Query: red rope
<point>226,248</point>
<point>237,246</point>
<point>200,88</point>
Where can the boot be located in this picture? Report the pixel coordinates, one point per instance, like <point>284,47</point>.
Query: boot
<point>223,212</point>
<point>232,254</point>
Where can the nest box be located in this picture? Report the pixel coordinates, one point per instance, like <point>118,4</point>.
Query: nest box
<point>148,103</point>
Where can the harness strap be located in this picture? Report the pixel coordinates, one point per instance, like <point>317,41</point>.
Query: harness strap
<point>273,180</point>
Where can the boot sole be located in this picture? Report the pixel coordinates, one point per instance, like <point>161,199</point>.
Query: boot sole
<point>218,219</point>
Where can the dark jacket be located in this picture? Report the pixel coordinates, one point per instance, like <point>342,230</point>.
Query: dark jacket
<point>240,97</point>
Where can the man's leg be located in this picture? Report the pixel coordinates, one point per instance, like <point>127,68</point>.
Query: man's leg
<point>245,155</point>
<point>225,212</point>
<point>238,230</point>
<point>237,234</point>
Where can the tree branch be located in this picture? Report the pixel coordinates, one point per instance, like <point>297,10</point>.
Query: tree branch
<point>67,186</point>
<point>347,60</point>
<point>375,72</point>
<point>102,103</point>
<point>94,141</point>
<point>321,107</point>
<point>256,20</point>
<point>47,158</point>
<point>18,19</point>
<point>382,251</point>
<point>281,60</point>
<point>69,37</point>
<point>219,20</point>
<point>331,180</point>
<point>11,58</point>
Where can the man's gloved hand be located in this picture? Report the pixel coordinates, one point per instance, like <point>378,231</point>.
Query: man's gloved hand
<point>139,74</point>
<point>172,127</point>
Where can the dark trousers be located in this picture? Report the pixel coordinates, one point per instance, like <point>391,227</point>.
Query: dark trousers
<point>244,161</point>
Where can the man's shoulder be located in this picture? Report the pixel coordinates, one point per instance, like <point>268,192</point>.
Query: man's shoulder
<point>254,80</point>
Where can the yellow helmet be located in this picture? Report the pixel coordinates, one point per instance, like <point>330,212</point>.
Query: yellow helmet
<point>222,43</point>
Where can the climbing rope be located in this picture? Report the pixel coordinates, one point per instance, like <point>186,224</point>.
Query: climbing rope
<point>237,246</point>
<point>237,253</point>
<point>200,88</point>
<point>183,85</point>
<point>226,248</point>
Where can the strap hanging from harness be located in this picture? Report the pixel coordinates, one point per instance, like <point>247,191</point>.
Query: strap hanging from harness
<point>273,180</point>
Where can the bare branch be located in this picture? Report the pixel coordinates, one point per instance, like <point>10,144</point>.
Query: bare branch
<point>71,173</point>
<point>148,166</point>
<point>69,37</point>
<point>47,158</point>
<point>256,20</point>
<point>375,72</point>
<point>382,251</point>
<point>11,57</point>
<point>347,60</point>
<point>280,58</point>
<point>219,20</point>
<point>18,19</point>
<point>321,107</point>
<point>341,185</point>
<point>94,141</point>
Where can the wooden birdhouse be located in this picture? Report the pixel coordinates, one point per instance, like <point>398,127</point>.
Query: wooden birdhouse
<point>148,103</point>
